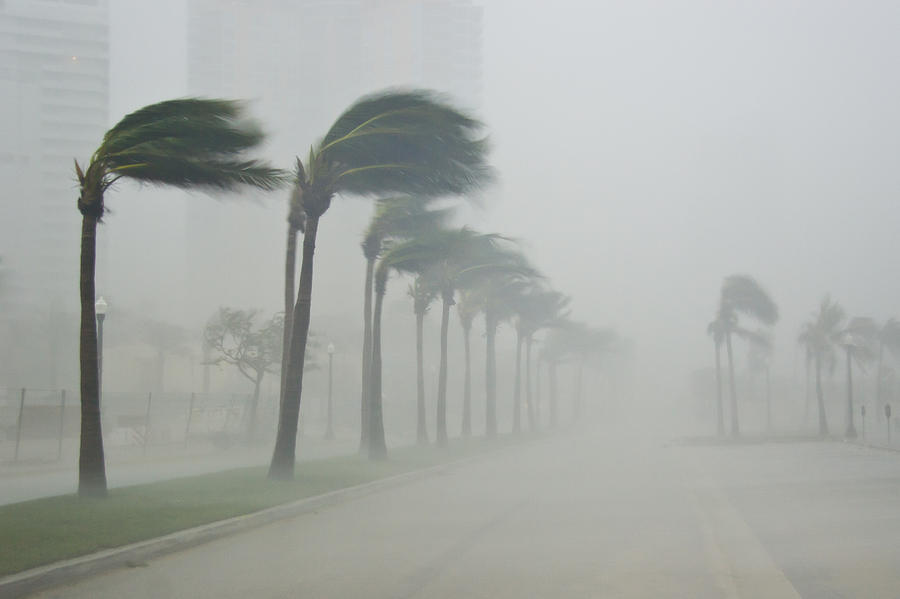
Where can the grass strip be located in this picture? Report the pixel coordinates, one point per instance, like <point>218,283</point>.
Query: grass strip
<point>42,531</point>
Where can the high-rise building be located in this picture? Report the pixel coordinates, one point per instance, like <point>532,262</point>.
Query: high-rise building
<point>54,60</point>
<point>299,63</point>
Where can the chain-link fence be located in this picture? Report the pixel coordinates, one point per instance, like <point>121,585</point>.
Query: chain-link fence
<point>44,424</point>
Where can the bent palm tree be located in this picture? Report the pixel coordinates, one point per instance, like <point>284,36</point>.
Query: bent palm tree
<point>423,292</point>
<point>467,308</point>
<point>888,337</point>
<point>820,335</point>
<point>409,142</point>
<point>394,218</point>
<point>188,143</point>
<point>857,341</point>
<point>716,330</point>
<point>742,295</point>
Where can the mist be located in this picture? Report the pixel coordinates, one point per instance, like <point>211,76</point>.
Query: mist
<point>709,188</point>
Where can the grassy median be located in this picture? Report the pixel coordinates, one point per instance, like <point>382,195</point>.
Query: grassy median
<point>43,531</point>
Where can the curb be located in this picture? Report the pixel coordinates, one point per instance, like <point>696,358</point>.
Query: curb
<point>42,577</point>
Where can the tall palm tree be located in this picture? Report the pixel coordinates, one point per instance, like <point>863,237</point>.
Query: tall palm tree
<point>403,142</point>
<point>716,330</point>
<point>188,143</point>
<point>741,296</point>
<point>467,308</point>
<point>857,340</point>
<point>423,292</point>
<point>820,335</point>
<point>296,220</point>
<point>584,341</point>
<point>450,259</point>
<point>888,337</point>
<point>554,351</point>
<point>394,218</point>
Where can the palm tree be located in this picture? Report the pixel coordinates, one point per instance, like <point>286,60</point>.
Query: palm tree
<point>449,259</point>
<point>296,220</point>
<point>584,341</point>
<point>741,295</point>
<point>467,308</point>
<point>856,340</point>
<point>423,292</point>
<point>407,142</point>
<point>188,143</point>
<point>553,351</point>
<point>395,218</point>
<point>888,337</point>
<point>820,335</point>
<point>716,330</point>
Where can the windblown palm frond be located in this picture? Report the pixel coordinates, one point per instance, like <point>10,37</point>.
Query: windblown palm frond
<point>743,295</point>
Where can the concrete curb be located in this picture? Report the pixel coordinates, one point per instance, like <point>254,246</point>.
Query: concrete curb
<point>43,577</point>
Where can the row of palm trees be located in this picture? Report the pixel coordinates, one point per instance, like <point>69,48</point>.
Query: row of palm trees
<point>828,333</point>
<point>408,148</point>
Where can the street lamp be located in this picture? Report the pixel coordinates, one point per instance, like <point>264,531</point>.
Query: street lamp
<point>329,431</point>
<point>100,309</point>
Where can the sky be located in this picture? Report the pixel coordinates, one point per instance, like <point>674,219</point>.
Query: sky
<point>646,149</point>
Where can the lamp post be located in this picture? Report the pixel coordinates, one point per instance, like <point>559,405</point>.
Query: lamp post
<point>100,308</point>
<point>329,431</point>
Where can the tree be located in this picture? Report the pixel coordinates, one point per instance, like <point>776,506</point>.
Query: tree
<point>716,329</point>
<point>423,292</point>
<point>407,142</point>
<point>584,341</point>
<point>296,220</point>
<point>448,259</point>
<point>888,336</point>
<point>759,360</point>
<point>233,338</point>
<point>741,296</point>
<point>394,219</point>
<point>820,335</point>
<point>467,308</point>
<point>535,309</point>
<point>188,143</point>
<point>857,340</point>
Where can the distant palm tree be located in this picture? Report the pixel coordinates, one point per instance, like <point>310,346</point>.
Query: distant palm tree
<point>741,295</point>
<point>189,143</point>
<point>857,340</point>
<point>405,142</point>
<point>467,308</point>
<point>394,218</point>
<point>820,335</point>
<point>716,330</point>
<point>586,341</point>
<point>423,292</point>
<point>888,337</point>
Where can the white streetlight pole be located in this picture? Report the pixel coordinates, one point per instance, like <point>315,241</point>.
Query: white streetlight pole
<point>100,308</point>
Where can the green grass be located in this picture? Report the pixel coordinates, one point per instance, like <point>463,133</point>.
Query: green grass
<point>43,531</point>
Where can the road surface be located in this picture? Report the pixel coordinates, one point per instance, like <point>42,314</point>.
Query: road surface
<point>582,516</point>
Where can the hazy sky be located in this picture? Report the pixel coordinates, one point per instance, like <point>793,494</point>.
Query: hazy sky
<point>648,149</point>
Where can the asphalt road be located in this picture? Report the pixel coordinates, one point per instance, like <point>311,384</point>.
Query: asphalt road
<point>572,517</point>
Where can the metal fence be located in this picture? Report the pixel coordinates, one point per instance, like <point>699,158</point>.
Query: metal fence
<point>42,424</point>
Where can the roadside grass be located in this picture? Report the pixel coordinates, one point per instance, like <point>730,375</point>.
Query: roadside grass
<point>47,530</point>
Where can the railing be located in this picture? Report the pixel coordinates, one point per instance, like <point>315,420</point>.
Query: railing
<point>44,424</point>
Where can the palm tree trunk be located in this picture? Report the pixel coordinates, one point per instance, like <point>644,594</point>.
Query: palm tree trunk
<point>290,267</point>
<point>91,462</point>
<point>532,424</point>
<point>490,375</point>
<point>366,358</point>
<point>851,429</point>
<point>735,428</point>
<point>376,441</point>
<point>284,455</point>
<point>517,388</point>
<point>442,374</point>
<point>823,421</point>
<point>808,393</point>
<point>554,417</point>
<point>720,408</point>
<point>421,422</point>
<point>467,385</point>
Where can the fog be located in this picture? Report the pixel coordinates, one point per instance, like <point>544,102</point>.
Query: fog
<point>644,151</point>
